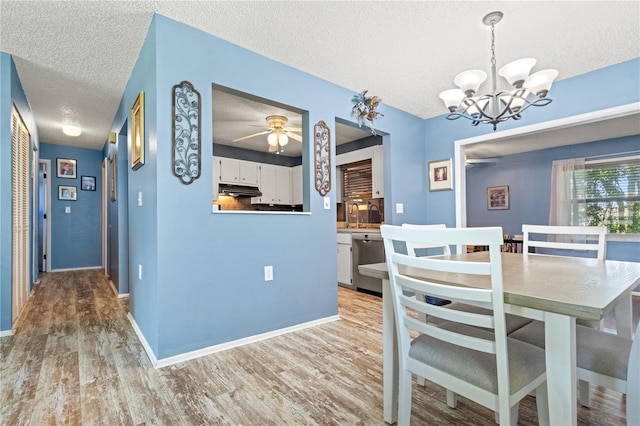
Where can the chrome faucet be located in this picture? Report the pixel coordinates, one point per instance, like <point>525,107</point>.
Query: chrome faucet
<point>357,213</point>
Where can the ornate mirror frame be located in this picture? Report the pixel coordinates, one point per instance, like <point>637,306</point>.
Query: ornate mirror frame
<point>322,157</point>
<point>186,145</point>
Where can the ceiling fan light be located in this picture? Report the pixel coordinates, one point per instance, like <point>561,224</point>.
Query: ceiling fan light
<point>469,81</point>
<point>540,83</point>
<point>517,71</point>
<point>283,139</point>
<point>272,139</point>
<point>452,98</point>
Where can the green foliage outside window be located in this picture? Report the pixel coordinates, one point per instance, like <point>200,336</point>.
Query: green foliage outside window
<point>610,195</point>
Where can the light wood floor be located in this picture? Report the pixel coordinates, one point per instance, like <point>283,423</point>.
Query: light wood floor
<point>76,360</point>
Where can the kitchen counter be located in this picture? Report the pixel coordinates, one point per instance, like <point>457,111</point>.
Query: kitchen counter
<point>359,230</point>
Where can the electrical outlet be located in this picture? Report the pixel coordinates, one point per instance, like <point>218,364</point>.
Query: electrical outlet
<point>399,208</point>
<point>327,203</point>
<point>67,209</point>
<point>140,272</point>
<point>268,273</point>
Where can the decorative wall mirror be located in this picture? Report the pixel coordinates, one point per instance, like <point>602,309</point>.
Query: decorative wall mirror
<point>322,157</point>
<point>186,146</point>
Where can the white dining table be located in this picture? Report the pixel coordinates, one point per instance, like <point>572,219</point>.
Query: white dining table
<point>553,289</point>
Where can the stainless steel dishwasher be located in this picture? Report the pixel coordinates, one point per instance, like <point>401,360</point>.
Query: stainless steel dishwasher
<point>366,248</point>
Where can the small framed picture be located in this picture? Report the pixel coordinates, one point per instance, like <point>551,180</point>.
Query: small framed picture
<point>68,193</point>
<point>88,183</point>
<point>498,198</point>
<point>440,175</point>
<point>112,177</point>
<point>66,168</point>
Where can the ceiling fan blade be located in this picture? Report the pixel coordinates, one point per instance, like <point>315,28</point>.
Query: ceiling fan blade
<point>251,136</point>
<point>293,129</point>
<point>293,136</point>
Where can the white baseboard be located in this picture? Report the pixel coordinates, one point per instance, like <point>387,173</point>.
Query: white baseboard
<point>75,269</point>
<point>5,333</point>
<point>165,362</point>
<point>115,291</point>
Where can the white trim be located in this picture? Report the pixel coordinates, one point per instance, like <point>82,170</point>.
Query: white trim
<point>6,333</point>
<point>76,269</point>
<point>165,362</point>
<point>565,122</point>
<point>47,170</point>
<point>115,291</point>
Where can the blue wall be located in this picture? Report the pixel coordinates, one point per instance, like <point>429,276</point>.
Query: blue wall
<point>11,93</point>
<point>604,88</point>
<point>202,282</point>
<point>528,176</point>
<point>76,237</point>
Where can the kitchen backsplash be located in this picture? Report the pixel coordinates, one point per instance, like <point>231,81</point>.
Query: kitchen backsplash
<point>360,213</point>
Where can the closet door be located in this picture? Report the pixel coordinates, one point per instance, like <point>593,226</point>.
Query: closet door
<point>20,143</point>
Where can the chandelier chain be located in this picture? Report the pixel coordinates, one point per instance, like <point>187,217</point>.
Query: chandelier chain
<point>493,44</point>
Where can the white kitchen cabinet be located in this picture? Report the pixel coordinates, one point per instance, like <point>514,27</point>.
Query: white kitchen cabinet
<point>344,259</point>
<point>296,186</point>
<point>338,184</point>
<point>377,172</point>
<point>283,185</point>
<point>237,172</point>
<point>275,185</point>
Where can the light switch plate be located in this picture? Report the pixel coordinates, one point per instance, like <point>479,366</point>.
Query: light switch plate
<point>327,203</point>
<point>268,273</point>
<point>399,208</point>
<point>67,209</point>
<point>140,198</point>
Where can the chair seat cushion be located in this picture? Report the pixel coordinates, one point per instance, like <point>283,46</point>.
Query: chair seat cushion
<point>526,362</point>
<point>512,322</point>
<point>597,351</point>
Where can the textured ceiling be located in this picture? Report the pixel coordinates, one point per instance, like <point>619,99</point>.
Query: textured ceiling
<point>75,57</point>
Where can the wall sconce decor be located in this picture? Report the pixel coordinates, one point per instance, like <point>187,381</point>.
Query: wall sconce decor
<point>186,145</point>
<point>322,157</point>
<point>137,132</point>
<point>364,109</point>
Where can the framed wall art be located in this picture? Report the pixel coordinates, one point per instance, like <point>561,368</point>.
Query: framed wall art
<point>322,157</point>
<point>137,132</point>
<point>88,183</point>
<point>498,198</point>
<point>66,168</point>
<point>440,175</point>
<point>186,146</point>
<point>68,193</point>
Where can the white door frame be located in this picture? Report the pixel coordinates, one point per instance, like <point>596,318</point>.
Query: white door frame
<point>104,215</point>
<point>47,221</point>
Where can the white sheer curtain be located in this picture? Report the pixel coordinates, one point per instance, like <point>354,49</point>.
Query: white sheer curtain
<point>564,211</point>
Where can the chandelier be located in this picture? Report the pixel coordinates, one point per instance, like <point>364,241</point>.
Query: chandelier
<point>498,105</point>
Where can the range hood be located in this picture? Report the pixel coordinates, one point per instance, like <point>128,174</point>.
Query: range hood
<point>239,190</point>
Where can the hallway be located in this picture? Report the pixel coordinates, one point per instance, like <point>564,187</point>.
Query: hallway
<point>75,359</point>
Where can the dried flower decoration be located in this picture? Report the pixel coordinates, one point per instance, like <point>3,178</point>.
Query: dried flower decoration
<point>364,109</point>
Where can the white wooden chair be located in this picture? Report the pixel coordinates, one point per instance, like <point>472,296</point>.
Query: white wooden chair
<point>483,365</point>
<point>603,359</point>
<point>565,238</point>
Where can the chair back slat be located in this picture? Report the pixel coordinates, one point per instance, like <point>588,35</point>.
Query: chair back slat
<point>560,238</point>
<point>413,246</point>
<point>436,276</point>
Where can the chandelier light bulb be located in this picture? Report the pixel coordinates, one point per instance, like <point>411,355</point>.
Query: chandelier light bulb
<point>540,83</point>
<point>452,98</point>
<point>517,71</point>
<point>469,81</point>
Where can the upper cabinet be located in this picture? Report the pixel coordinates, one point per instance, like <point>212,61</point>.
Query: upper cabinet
<point>296,186</point>
<point>377,172</point>
<point>237,172</point>
<point>275,185</point>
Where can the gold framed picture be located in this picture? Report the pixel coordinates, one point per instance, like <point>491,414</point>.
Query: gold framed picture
<point>440,175</point>
<point>137,132</point>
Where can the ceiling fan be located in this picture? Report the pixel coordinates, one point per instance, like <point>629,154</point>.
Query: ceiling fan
<point>278,134</point>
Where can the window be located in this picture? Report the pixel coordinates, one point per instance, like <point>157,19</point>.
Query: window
<point>608,194</point>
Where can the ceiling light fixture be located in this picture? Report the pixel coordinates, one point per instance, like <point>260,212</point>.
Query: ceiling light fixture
<point>71,130</point>
<point>498,106</point>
